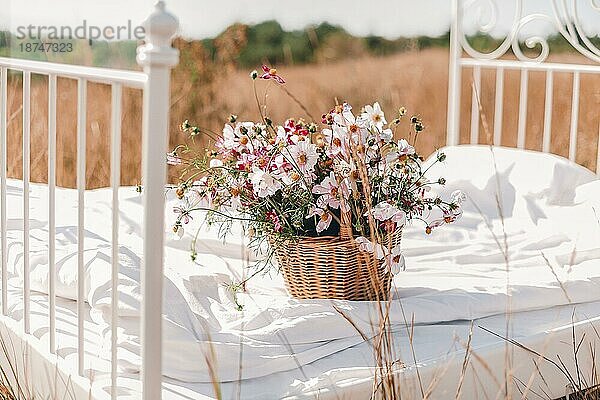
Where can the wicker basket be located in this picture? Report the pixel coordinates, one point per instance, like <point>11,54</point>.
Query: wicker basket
<point>331,267</point>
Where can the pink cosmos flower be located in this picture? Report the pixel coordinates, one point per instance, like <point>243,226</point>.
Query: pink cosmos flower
<point>173,159</point>
<point>271,73</point>
<point>385,211</point>
<point>329,191</point>
<point>184,214</point>
<point>274,218</point>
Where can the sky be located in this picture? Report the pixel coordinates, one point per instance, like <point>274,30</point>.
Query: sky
<point>204,18</point>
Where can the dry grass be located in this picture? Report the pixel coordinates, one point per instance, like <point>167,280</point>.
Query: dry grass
<point>207,93</point>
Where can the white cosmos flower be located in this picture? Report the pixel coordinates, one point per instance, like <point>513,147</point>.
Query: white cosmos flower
<point>403,149</point>
<point>458,197</point>
<point>373,115</point>
<point>324,218</point>
<point>234,139</point>
<point>364,244</point>
<point>337,141</point>
<point>264,183</point>
<point>229,139</point>
<point>215,163</point>
<point>387,135</point>
<point>177,233</point>
<point>304,155</point>
<point>395,260</point>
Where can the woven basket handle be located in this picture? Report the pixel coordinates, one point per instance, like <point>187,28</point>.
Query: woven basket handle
<point>346,226</point>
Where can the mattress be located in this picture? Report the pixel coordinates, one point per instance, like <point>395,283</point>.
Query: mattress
<point>528,244</point>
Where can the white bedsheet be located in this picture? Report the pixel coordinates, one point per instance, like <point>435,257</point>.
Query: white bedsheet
<point>458,273</point>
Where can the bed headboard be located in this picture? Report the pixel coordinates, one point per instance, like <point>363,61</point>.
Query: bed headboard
<point>466,65</point>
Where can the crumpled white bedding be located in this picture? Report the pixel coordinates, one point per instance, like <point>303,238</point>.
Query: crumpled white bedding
<point>549,211</point>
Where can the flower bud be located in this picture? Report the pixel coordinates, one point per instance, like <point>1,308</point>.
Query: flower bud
<point>254,74</point>
<point>233,118</point>
<point>185,125</point>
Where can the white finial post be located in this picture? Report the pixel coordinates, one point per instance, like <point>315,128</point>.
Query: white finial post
<point>157,57</point>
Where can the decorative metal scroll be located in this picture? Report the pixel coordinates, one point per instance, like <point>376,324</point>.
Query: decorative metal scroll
<point>565,18</point>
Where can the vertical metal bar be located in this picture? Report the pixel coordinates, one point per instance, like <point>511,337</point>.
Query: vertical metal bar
<point>3,171</point>
<point>454,77</point>
<point>157,57</point>
<point>499,106</point>
<point>522,109</point>
<point>52,209</point>
<point>598,152</point>
<point>115,168</point>
<point>81,138</point>
<point>475,99</point>
<point>26,177</point>
<point>154,175</point>
<point>548,111</point>
<point>574,117</point>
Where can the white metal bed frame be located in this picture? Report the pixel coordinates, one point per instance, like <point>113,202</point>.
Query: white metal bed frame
<point>157,58</point>
<point>565,18</point>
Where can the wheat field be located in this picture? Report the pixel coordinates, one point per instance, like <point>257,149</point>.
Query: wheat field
<point>206,93</point>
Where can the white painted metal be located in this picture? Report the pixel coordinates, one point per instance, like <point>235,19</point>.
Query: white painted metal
<point>548,102</point>
<point>81,139</point>
<point>499,106</point>
<point>26,177</point>
<point>522,110</point>
<point>100,75</point>
<point>565,19</point>
<point>115,168</point>
<point>157,57</point>
<point>574,118</point>
<point>598,153</point>
<point>454,77</point>
<point>52,210</point>
<point>475,99</point>
<point>519,65</point>
<point>3,172</point>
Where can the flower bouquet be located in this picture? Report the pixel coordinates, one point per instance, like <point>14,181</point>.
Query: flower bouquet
<point>329,200</point>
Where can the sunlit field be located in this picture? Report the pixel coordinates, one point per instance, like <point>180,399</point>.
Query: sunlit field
<point>206,93</point>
